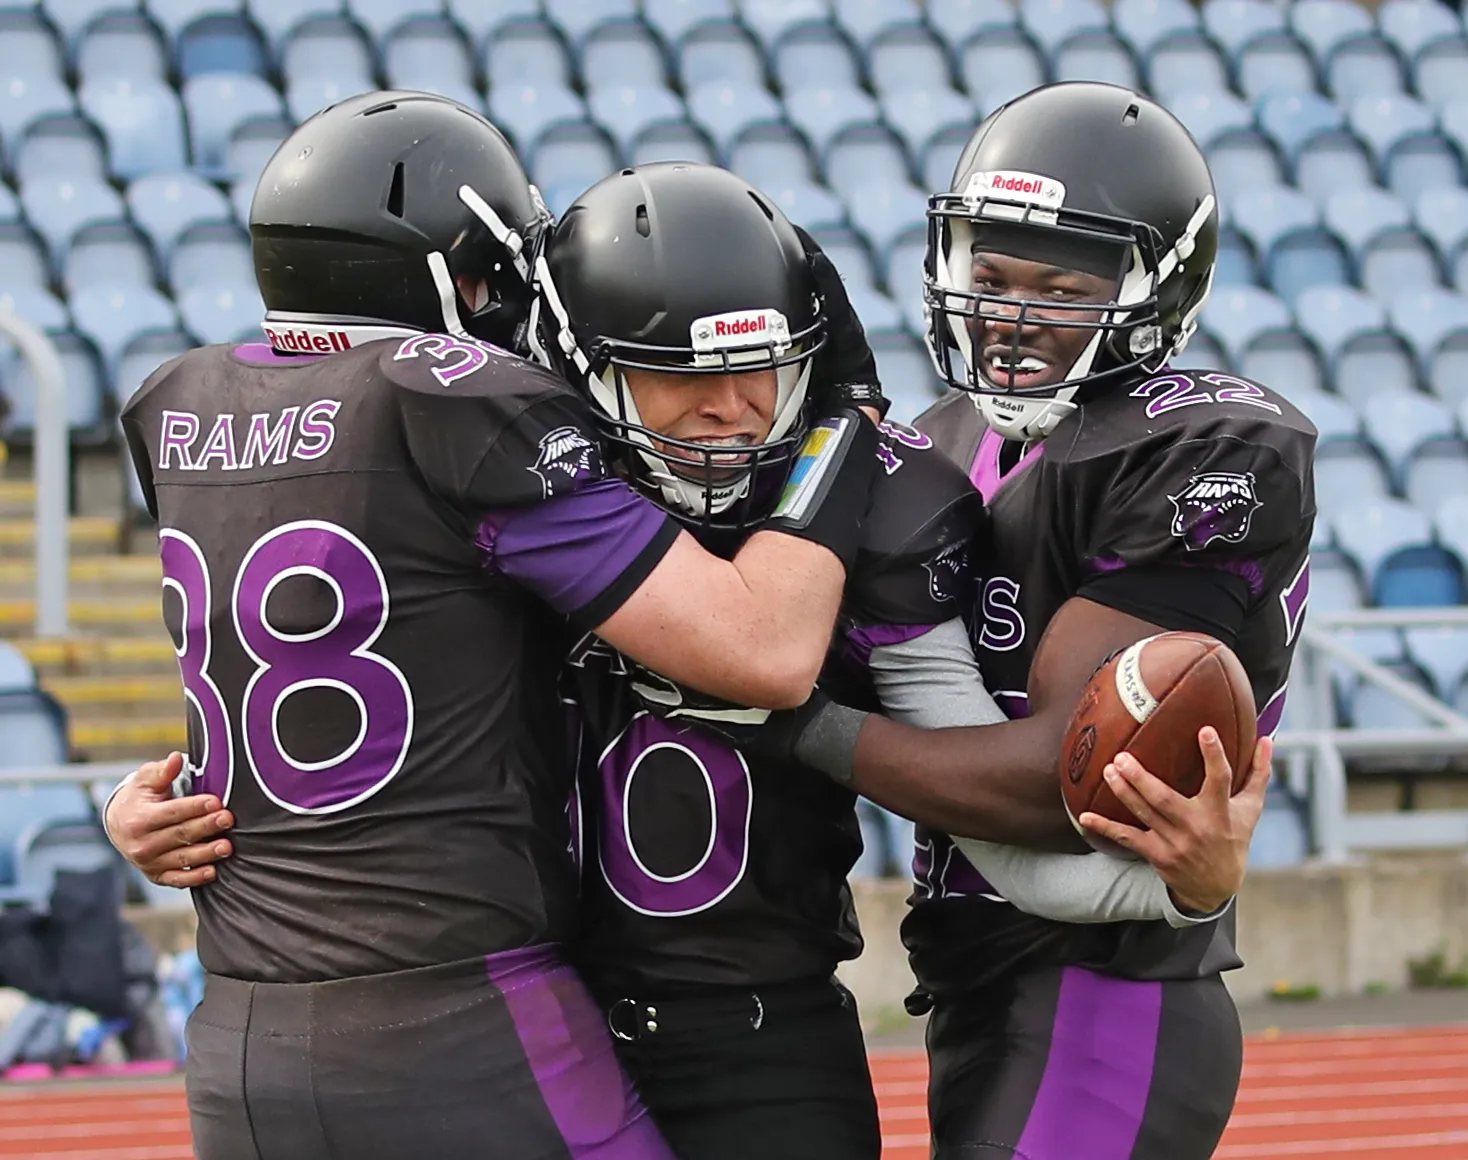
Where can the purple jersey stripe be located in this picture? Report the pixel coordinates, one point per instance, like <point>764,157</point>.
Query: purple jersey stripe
<point>571,549</point>
<point>1093,1093</point>
<point>263,354</point>
<point>1269,716</point>
<point>858,643</point>
<point>569,1049</point>
<point>985,469</point>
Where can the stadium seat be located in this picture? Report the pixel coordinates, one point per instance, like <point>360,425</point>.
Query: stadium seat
<point>72,17</point>
<point>907,59</point>
<point>9,206</point>
<point>1345,475</point>
<point>1403,421</point>
<point>58,207</point>
<point>907,375</point>
<point>222,313</point>
<point>1366,65</point>
<point>112,316</point>
<point>771,19</point>
<point>1442,653</point>
<point>958,21</point>
<point>528,112</point>
<point>1234,265</point>
<point>1330,28</point>
<point>806,204</point>
<point>85,395</point>
<point>850,255</point>
<point>1386,251</point>
<point>1435,325</point>
<point>576,18</point>
<point>627,111</point>
<point>1334,316</point>
<point>1440,71</point>
<point>76,845</point>
<point>1437,471</point>
<point>1412,25</point>
<point>1142,24</point>
<point>1442,215</point>
<point>1239,316</point>
<point>173,16</point>
<point>121,44</point>
<point>864,20</point>
<point>28,47</point>
<point>902,270</point>
<point>998,65</point>
<point>217,253</point>
<point>576,153</point>
<point>1371,707</point>
<point>728,111</point>
<point>23,259</point>
<point>1454,123</point>
<point>1451,522</point>
<point>880,211</point>
<point>526,53</point>
<point>327,48</point>
<point>141,357</point>
<point>1335,584</point>
<point>1212,116</point>
<point>719,52</point>
<point>862,156</point>
<point>622,53</point>
<point>25,100</point>
<point>822,113</point>
<point>675,19</point>
<point>940,156</point>
<point>36,305</point>
<point>1184,62</point>
<point>479,18</point>
<point>1427,577</point>
<point>1203,353</point>
<point>16,674</point>
<point>219,43</point>
<point>1095,56</point>
<point>217,104</point>
<point>1377,529</point>
<point>1402,135</point>
<point>1234,23</point>
<point>32,735</point>
<point>166,204</point>
<point>1332,162</point>
<point>771,154</point>
<point>1273,62</point>
<point>921,116</point>
<point>1052,22</point>
<point>1292,120</point>
<point>110,254</point>
<point>380,18</point>
<point>278,19</point>
<point>306,97</point>
<point>59,147</point>
<point>878,313</point>
<point>1294,252</point>
<point>1283,358</point>
<point>671,141</point>
<point>429,55</point>
<point>142,121</point>
<point>1334,419</point>
<point>814,56</point>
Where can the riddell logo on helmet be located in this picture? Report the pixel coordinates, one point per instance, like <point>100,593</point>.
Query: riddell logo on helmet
<point>755,325</point>
<point>740,328</point>
<point>1015,185</point>
<point>307,342</point>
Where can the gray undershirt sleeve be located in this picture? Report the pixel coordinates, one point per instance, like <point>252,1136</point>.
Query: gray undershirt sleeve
<point>934,682</point>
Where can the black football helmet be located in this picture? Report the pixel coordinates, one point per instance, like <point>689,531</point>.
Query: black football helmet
<point>682,267</point>
<point>1077,175</point>
<point>394,212</point>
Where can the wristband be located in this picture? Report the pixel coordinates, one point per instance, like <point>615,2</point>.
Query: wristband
<point>827,744</point>
<point>826,495</point>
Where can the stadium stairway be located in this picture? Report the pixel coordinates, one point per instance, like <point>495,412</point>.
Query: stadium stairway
<point>116,673</point>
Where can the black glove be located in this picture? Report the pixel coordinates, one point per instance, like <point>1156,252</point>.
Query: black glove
<point>829,488</point>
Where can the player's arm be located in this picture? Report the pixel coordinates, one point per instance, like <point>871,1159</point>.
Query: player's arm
<point>932,681</point>
<point>516,453</point>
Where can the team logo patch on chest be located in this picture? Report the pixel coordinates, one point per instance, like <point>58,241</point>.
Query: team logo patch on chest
<point>565,459</point>
<point>1214,505</point>
<point>946,572</point>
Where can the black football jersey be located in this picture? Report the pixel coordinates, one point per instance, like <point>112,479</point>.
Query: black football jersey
<point>368,563</point>
<point>1185,469</point>
<point>704,867</point>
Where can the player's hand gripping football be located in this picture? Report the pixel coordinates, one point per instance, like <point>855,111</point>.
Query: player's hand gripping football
<point>1199,846</point>
<point>173,841</point>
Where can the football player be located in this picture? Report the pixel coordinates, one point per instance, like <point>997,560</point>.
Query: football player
<point>373,529</point>
<point>1065,268</point>
<point>715,905</point>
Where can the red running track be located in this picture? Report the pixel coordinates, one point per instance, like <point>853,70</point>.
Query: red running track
<point>1382,1095</point>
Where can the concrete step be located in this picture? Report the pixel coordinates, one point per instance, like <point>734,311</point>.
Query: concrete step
<point>17,498</point>
<point>114,616</point>
<point>107,575</point>
<point>144,738</point>
<point>101,655</point>
<point>88,535</point>
<point>117,700</point>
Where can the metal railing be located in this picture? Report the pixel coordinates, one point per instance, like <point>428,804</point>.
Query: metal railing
<point>1316,754</point>
<point>53,472</point>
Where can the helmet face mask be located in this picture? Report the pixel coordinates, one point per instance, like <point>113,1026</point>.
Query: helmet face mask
<point>1073,252</point>
<point>720,352</point>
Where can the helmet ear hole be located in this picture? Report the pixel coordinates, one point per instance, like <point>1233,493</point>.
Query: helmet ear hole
<point>395,192</point>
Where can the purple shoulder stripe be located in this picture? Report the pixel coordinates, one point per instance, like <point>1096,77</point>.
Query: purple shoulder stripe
<point>857,643</point>
<point>570,549</point>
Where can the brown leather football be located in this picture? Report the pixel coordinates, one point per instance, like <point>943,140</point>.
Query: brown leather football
<point>1151,699</point>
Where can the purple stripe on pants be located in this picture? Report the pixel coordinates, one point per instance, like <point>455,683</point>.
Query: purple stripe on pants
<point>570,1052</point>
<point>1094,1091</point>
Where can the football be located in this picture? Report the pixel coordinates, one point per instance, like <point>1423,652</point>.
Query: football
<point>1150,699</point>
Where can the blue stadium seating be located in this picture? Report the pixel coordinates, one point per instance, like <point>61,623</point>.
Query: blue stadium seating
<point>226,43</point>
<point>674,19</point>
<point>122,45</point>
<point>166,204</point>
<point>628,111</point>
<point>85,394</point>
<point>142,120</point>
<point>1052,22</point>
<point>1184,62</point>
<point>924,116</point>
<point>23,258</point>
<point>864,20</point>
<point>623,52</point>
<point>527,53</point>
<point>429,55</point>
<point>1142,24</point>
<point>59,147</point>
<point>113,315</point>
<point>221,312</point>
<point>36,305</point>
<point>1435,325</point>
<point>958,21</point>
<point>903,362</point>
<point>998,65</point>
<point>720,52</point>
<point>479,18</point>
<point>1239,316</point>
<point>671,141</point>
<point>1437,471</point>
<point>1441,653</point>
<point>728,110</point>
<point>576,18</point>
<point>1346,474</point>
<point>217,104</point>
<point>907,59</point>
<point>821,113</point>
<point>110,254</point>
<point>771,19</point>
<point>1402,422</point>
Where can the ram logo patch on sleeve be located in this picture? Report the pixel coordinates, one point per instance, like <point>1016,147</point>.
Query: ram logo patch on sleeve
<point>1214,505</point>
<point>565,460</point>
<point>946,572</point>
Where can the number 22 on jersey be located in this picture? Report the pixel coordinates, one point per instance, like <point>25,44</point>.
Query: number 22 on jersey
<point>336,656</point>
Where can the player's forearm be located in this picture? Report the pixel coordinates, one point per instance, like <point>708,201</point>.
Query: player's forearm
<point>997,783</point>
